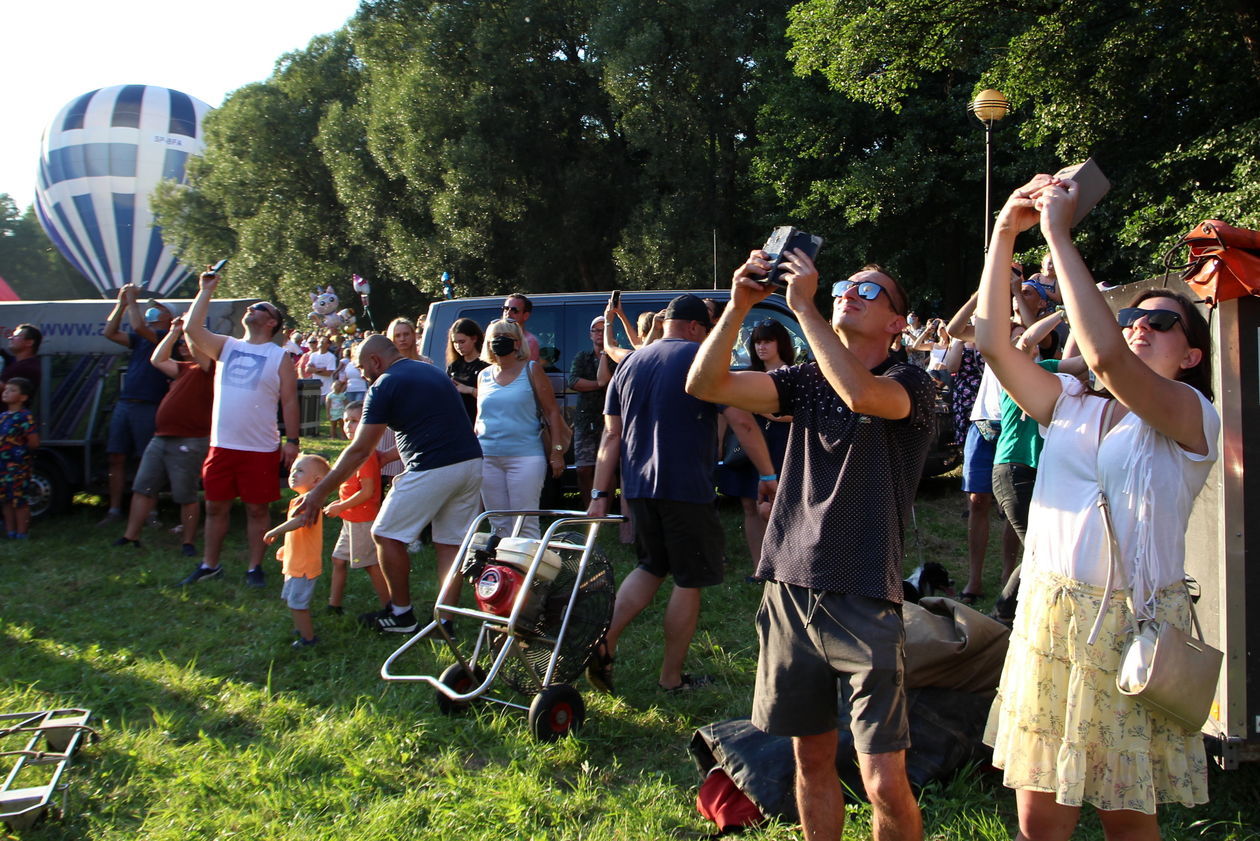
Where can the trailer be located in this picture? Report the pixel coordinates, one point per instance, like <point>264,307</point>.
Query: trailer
<point>81,373</point>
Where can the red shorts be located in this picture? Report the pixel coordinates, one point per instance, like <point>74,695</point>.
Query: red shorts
<point>254,477</point>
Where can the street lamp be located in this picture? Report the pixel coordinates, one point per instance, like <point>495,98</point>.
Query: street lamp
<point>989,106</point>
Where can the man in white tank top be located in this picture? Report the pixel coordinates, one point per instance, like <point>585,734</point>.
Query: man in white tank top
<point>253,377</point>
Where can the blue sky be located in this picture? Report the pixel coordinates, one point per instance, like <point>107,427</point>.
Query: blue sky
<point>56,50</point>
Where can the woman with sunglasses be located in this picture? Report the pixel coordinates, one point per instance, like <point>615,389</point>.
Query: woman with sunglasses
<point>1062,732</point>
<point>769,348</point>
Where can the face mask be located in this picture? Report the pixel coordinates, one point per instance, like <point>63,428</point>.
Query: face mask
<point>502,345</point>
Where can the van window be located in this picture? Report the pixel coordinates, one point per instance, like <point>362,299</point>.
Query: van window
<point>740,357</point>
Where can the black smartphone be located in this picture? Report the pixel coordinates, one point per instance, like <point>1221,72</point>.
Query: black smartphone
<point>614,300</point>
<point>783,239</point>
<point>218,267</point>
<point>1093,185</point>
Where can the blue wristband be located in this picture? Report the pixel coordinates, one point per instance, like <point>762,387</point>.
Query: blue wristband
<point>773,477</point>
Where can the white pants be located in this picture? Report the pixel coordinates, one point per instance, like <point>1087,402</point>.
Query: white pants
<point>512,483</point>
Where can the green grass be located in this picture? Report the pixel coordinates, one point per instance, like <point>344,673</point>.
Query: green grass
<point>214,728</point>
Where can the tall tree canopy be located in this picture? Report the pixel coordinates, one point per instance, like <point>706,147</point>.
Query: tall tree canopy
<point>1165,95</point>
<point>558,145</point>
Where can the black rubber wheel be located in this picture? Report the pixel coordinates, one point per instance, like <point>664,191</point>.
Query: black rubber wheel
<point>555,712</point>
<point>458,678</point>
<point>48,490</point>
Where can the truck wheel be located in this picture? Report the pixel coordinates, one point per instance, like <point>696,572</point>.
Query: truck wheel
<point>49,491</point>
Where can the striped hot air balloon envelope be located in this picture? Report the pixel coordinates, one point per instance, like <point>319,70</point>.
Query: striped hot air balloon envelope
<point>101,158</point>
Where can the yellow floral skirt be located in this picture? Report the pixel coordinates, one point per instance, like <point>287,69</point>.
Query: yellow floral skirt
<point>1059,724</point>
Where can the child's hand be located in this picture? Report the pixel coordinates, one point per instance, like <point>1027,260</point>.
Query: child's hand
<point>332,509</point>
<point>269,538</point>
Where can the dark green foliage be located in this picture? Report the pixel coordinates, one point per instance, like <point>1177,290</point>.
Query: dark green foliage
<point>30,263</point>
<point>558,145</point>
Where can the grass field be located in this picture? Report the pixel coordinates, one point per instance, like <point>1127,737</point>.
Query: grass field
<point>213,727</point>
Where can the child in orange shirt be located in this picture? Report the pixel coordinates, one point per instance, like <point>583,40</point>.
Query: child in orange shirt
<point>359,498</point>
<point>302,555</point>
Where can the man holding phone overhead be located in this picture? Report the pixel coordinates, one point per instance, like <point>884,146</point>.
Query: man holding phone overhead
<point>831,559</point>
<point>252,378</point>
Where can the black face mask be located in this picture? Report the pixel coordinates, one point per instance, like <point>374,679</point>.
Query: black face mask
<point>502,345</point>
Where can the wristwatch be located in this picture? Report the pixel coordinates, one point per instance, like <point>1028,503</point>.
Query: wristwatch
<point>296,441</point>
<point>598,494</point>
<point>559,448</point>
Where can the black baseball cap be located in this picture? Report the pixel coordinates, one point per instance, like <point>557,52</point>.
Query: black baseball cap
<point>688,308</point>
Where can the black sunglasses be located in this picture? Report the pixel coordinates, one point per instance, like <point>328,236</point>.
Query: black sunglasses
<point>264,308</point>
<point>513,310</point>
<point>1161,321</point>
<point>866,289</point>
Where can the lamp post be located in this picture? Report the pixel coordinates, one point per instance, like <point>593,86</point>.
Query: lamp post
<point>989,106</point>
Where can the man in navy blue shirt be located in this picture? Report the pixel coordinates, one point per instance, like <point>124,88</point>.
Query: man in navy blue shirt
<point>666,443</point>
<point>442,481</point>
<point>143,387</point>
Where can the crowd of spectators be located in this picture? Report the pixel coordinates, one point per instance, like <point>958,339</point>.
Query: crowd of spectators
<point>824,455</point>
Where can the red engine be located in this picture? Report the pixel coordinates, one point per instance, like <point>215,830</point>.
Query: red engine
<point>496,589</point>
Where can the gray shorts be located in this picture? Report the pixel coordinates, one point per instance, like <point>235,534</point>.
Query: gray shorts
<point>177,460</point>
<point>297,592</point>
<point>811,640</point>
<point>586,444</point>
<point>355,544</point>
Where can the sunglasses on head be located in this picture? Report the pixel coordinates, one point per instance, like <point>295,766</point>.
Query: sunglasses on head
<point>867,290</point>
<point>1161,321</point>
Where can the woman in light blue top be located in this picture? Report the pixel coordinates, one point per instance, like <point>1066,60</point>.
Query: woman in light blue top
<point>511,395</point>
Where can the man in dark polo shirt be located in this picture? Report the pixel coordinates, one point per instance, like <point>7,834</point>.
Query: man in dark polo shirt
<point>143,387</point>
<point>181,439</point>
<point>21,359</point>
<point>442,482</point>
<point>861,427</point>
<point>665,442</point>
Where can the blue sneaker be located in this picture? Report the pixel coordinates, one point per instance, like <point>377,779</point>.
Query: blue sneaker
<point>201,574</point>
<point>255,577</point>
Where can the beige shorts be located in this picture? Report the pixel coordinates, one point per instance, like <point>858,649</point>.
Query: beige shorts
<point>448,497</point>
<point>355,544</point>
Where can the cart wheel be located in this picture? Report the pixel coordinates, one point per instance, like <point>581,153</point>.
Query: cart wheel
<point>556,711</point>
<point>458,678</point>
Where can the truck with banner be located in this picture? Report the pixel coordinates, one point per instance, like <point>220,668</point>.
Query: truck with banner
<point>81,372</point>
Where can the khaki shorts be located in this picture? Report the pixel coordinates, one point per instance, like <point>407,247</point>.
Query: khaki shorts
<point>448,497</point>
<point>813,639</point>
<point>355,544</point>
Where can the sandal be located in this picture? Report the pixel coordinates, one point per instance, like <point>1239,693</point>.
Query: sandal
<point>599,669</point>
<point>970,599</point>
<point>688,683</point>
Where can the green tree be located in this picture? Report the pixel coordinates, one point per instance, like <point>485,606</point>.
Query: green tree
<point>30,263</point>
<point>264,194</point>
<point>1138,86</point>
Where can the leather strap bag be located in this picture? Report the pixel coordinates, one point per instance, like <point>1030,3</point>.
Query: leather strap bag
<point>553,440</point>
<point>1163,667</point>
<point>1224,261</point>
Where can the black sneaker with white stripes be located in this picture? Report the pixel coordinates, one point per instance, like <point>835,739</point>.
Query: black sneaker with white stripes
<point>386,621</point>
<point>201,574</point>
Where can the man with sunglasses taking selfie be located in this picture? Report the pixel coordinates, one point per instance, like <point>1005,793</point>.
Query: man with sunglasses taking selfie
<point>831,559</point>
<point>252,377</point>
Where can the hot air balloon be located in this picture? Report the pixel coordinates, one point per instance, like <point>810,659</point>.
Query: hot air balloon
<point>101,157</point>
